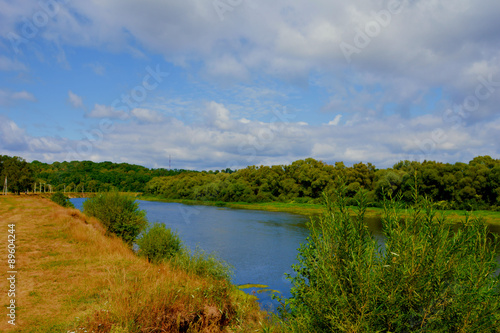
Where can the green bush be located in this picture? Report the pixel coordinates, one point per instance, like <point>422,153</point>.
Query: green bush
<point>119,213</point>
<point>430,276</point>
<point>158,243</point>
<point>60,199</point>
<point>202,264</point>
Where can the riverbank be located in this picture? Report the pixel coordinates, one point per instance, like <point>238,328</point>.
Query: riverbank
<point>307,209</point>
<point>70,277</point>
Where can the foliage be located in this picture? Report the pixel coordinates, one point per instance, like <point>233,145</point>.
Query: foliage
<point>464,186</point>
<point>431,276</point>
<point>119,213</point>
<point>97,177</point>
<point>202,264</point>
<point>158,243</point>
<point>60,199</point>
<point>470,186</point>
<point>18,172</point>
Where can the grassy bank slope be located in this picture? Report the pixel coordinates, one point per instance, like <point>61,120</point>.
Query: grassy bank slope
<point>71,277</point>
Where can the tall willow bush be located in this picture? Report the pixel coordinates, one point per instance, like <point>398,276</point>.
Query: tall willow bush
<point>431,275</point>
<point>119,213</point>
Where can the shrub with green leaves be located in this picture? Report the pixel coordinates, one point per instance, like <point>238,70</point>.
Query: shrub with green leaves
<point>60,199</point>
<point>431,275</point>
<point>158,243</point>
<point>119,213</point>
<point>202,264</point>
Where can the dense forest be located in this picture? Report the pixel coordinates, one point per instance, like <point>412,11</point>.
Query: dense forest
<point>474,185</point>
<point>85,176</point>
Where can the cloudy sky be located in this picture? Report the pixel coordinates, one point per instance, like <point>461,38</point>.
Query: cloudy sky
<point>231,83</point>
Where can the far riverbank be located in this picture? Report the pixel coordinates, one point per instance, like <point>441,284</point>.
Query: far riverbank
<point>307,209</point>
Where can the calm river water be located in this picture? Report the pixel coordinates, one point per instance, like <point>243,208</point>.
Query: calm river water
<point>261,246</point>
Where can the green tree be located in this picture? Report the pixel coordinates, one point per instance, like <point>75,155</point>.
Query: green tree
<point>18,173</point>
<point>119,213</point>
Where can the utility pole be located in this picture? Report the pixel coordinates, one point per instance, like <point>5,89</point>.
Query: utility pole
<point>5,186</point>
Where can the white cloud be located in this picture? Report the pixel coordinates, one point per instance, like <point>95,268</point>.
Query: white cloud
<point>9,97</point>
<point>147,116</point>
<point>218,115</point>
<point>422,62</point>
<point>11,136</point>
<point>103,111</point>
<point>75,100</point>
<point>197,146</point>
<point>335,120</point>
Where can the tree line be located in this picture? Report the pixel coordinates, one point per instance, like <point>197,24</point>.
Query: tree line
<point>474,185</point>
<point>76,176</point>
<point>471,186</point>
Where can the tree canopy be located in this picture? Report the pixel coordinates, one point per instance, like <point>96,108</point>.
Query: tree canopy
<point>88,176</point>
<point>18,172</point>
<point>471,186</point>
<point>475,185</point>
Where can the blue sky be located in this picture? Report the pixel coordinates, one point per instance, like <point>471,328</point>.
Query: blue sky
<point>220,83</point>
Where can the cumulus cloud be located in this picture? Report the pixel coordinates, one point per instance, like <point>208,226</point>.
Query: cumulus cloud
<point>381,142</point>
<point>218,115</point>
<point>12,137</point>
<point>15,141</point>
<point>388,101</point>
<point>423,41</point>
<point>197,146</point>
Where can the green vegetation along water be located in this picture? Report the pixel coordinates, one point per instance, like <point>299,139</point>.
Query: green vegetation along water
<point>466,186</point>
<point>261,246</point>
<point>472,186</point>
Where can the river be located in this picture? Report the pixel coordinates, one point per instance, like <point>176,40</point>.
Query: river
<point>260,246</point>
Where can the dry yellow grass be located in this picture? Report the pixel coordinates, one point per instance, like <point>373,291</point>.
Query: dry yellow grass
<point>73,278</point>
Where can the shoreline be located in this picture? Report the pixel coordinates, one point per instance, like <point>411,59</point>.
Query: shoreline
<point>311,210</point>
